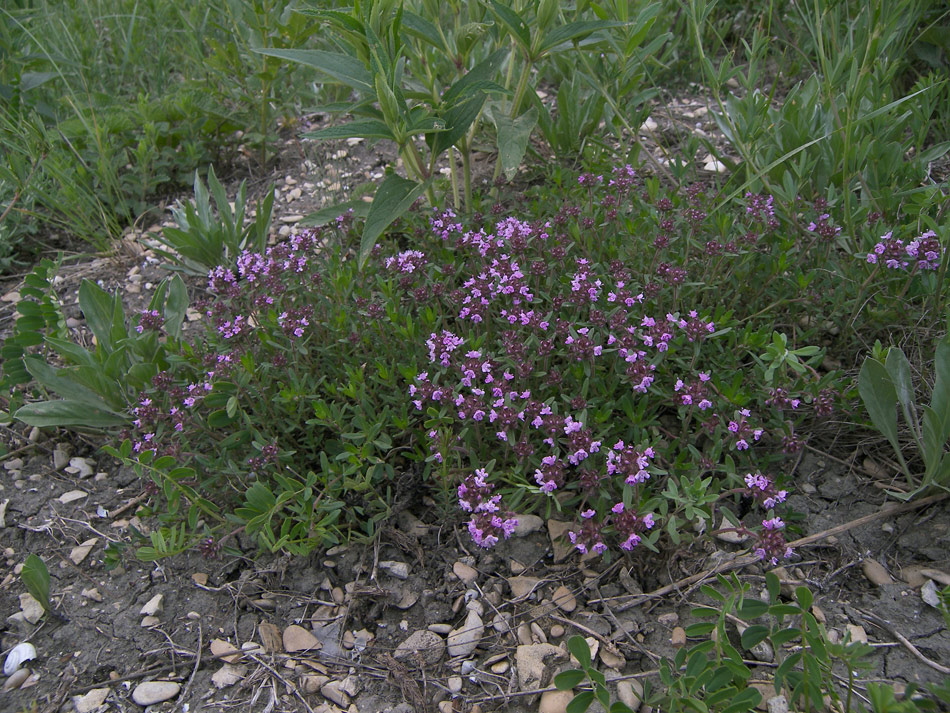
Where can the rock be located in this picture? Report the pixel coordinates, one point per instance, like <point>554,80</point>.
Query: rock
<point>91,594</point>
<point>875,572</point>
<point>270,637</point>
<point>32,610</point>
<point>938,575</point>
<point>333,691</point>
<point>858,634</point>
<point>648,125</point>
<point>221,648</point>
<point>337,595</point>
<point>312,682</point>
<point>60,456</point>
<point>153,606</point>
<point>72,496</point>
<point>524,635</point>
<point>440,628</point>
<point>777,704</point>
<point>152,692</point>
<point>516,567</point>
<point>82,467</point>
<point>527,524</point>
<point>80,552</point>
<point>17,679</point>
<point>678,639</point>
<point>668,619</point>
<point>91,701</point>
<point>557,531</point>
<point>612,658</point>
<point>227,675</point>
<point>429,645</point>
<point>500,667</point>
<point>12,297</point>
<point>521,587</point>
<point>200,578</point>
<point>730,535</point>
<point>557,631</point>
<point>296,638</point>
<point>929,594</point>
<point>150,621</point>
<point>537,634</point>
<point>564,599</point>
<point>555,701</point>
<point>465,639</point>
<point>630,693</point>
<point>454,684</point>
<point>399,570</point>
<point>532,662</point>
<point>465,573</point>
<point>351,686</point>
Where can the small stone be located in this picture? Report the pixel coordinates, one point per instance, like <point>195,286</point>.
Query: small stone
<point>200,578</point>
<point>91,594</point>
<point>557,531</point>
<point>60,456</point>
<point>337,595</point>
<point>440,628</point>
<point>227,675</point>
<point>938,575</point>
<point>80,552</point>
<point>858,634</point>
<point>630,693</point>
<point>428,644</point>
<point>532,663</point>
<point>612,658</point>
<point>333,691</point>
<point>399,570</point>
<point>349,641</point>
<point>500,667</point>
<point>13,464</point>
<point>521,587</point>
<point>291,219</point>
<point>465,573</point>
<point>12,297</point>
<point>730,535</point>
<point>149,621</point>
<point>555,701</point>
<point>91,701</point>
<point>82,466</point>
<point>778,704</point>
<point>465,639</point>
<point>313,682</point>
<point>524,635</point>
<point>875,572</point>
<point>454,684</point>
<point>564,599</point>
<point>221,648</point>
<point>270,637</point>
<point>32,610</point>
<point>678,639</point>
<point>557,631</point>
<point>668,619</point>
<point>446,707</point>
<point>152,692</point>
<point>516,567</point>
<point>526,525</point>
<point>928,593</point>
<point>72,496</point>
<point>17,679</point>
<point>153,606</point>
<point>819,614</point>
<point>296,638</point>
<point>648,125</point>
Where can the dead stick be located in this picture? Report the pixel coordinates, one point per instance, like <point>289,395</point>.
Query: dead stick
<point>744,560</point>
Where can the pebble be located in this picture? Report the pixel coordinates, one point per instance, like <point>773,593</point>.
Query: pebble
<point>91,701</point>
<point>564,599</point>
<point>630,693</point>
<point>446,707</point>
<point>270,637</point>
<point>557,631</point>
<point>296,638</point>
<point>454,684</point>
<point>532,661</point>
<point>875,572</point>
<point>521,587</point>
<point>32,610</point>
<point>72,496</point>
<point>858,634</point>
<point>465,573</point>
<point>526,525</point>
<point>555,701</point>
<point>220,648</point>
<point>152,692</point>
<point>227,675</point>
<point>153,606</point>
<point>557,531</point>
<point>777,704</point>
<point>80,552</point>
<point>440,628</point>
<point>80,467</point>
<point>150,621</point>
<point>312,682</point>
<point>399,570</point>
<point>430,645</point>
<point>516,567</point>
<point>668,619</point>
<point>60,457</point>
<point>611,658</point>
<point>500,667</point>
<point>678,639</point>
<point>17,679</point>
<point>537,633</point>
<point>333,691</point>
<point>337,595</point>
<point>465,639</point>
<point>524,635</point>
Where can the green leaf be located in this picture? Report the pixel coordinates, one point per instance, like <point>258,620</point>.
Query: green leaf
<point>580,703</point>
<point>176,304</point>
<point>516,26</point>
<point>362,128</point>
<point>331,212</point>
<point>898,367</point>
<point>702,629</point>
<point>102,312</point>
<point>393,198</point>
<point>513,139</point>
<point>566,680</point>
<point>418,26</point>
<point>754,635</point>
<point>880,398</point>
<point>579,649</point>
<point>68,413</point>
<point>573,30</point>
<point>751,609</point>
<point>804,597</point>
<point>35,578</point>
<point>746,700</point>
<point>342,67</point>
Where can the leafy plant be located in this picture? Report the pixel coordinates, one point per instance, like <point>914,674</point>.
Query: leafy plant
<point>98,386</point>
<point>206,238</point>
<point>885,386</point>
<point>596,688</point>
<point>35,578</point>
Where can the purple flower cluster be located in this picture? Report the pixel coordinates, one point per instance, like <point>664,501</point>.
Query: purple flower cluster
<point>150,319</point>
<point>627,525</point>
<point>924,252</point>
<point>772,544</point>
<point>488,524</point>
<point>763,490</point>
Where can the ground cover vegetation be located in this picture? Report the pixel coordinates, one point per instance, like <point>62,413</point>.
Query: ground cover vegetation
<point>597,333</point>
